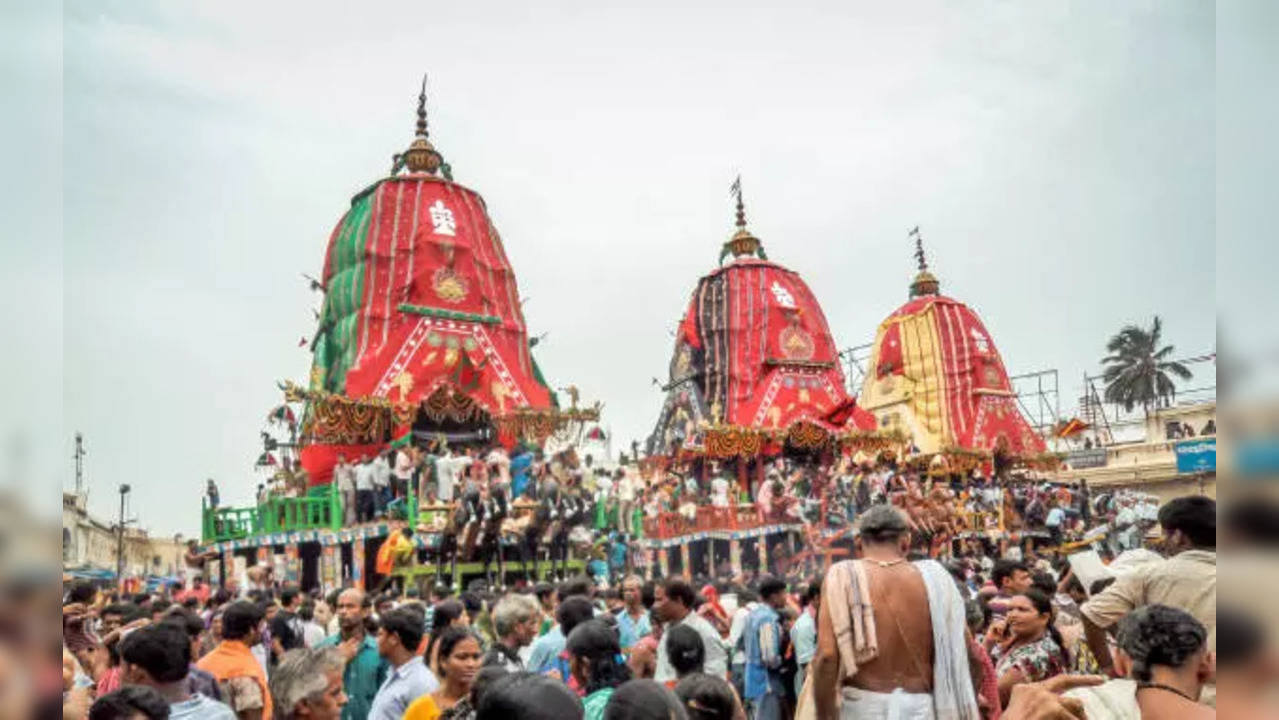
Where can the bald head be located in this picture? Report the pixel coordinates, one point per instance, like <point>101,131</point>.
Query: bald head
<point>352,610</point>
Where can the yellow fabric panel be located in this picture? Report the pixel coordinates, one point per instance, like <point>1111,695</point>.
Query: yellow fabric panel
<point>921,357</point>
<point>918,397</point>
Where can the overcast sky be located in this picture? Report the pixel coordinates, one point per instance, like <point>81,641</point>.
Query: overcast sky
<point>1059,158</point>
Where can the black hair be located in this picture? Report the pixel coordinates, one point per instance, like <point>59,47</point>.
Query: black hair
<point>127,702</point>
<point>577,586</point>
<point>239,619</point>
<point>187,621</point>
<point>677,589</point>
<point>82,592</point>
<point>127,611</point>
<point>446,612</point>
<point>221,596</point>
<point>451,638</point>
<point>1005,569</point>
<point>770,586</point>
<point>543,591</point>
<point>811,593</point>
<point>1159,635</point>
<point>707,697</point>
<point>646,593</point>
<point>1043,582</point>
<point>1043,605</point>
<point>487,675</point>
<point>1099,585</point>
<point>306,611</point>
<point>472,601</point>
<point>644,700</point>
<point>162,650</point>
<point>288,594</point>
<point>686,650</point>
<point>528,696</point>
<point>573,612</point>
<point>406,624</point>
<point>1240,637</point>
<point>596,643</point>
<point>1194,515</point>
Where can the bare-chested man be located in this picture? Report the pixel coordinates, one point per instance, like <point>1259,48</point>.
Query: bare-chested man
<point>891,637</point>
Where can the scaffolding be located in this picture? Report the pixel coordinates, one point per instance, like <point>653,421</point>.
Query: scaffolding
<point>1107,417</point>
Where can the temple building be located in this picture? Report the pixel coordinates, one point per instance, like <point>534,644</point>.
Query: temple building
<point>754,365</point>
<point>936,375</point>
<point>421,310</point>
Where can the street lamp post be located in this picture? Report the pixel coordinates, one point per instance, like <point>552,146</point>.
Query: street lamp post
<point>119,548</point>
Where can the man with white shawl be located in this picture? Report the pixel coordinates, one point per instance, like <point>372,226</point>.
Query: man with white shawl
<point>891,634</point>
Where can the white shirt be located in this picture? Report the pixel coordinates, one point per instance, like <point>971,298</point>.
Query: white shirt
<point>448,468</point>
<point>737,627</point>
<point>719,492</point>
<point>716,653</point>
<point>626,489</point>
<point>381,471</point>
<point>403,465</point>
<point>344,476</point>
<point>312,634</point>
<point>364,476</point>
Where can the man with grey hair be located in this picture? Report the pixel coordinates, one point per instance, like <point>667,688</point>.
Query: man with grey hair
<point>918,665</point>
<point>307,683</point>
<point>515,621</point>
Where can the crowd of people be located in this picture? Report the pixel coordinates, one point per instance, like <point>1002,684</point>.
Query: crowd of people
<point>945,509</point>
<point>899,632</point>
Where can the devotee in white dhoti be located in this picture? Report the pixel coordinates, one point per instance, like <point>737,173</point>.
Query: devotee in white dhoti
<point>891,634</point>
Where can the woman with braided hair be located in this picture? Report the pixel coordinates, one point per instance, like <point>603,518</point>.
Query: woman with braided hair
<point>597,665</point>
<point>1163,655</point>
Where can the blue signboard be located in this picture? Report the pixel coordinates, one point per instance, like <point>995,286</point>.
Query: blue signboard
<point>1196,456</point>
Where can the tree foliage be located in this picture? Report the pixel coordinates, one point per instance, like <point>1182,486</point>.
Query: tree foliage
<point>1137,371</point>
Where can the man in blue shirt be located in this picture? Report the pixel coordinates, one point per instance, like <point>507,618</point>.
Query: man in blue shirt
<point>365,669</point>
<point>1056,516</point>
<point>409,679</point>
<point>803,635</point>
<point>546,654</point>
<point>632,621</point>
<point>765,693</point>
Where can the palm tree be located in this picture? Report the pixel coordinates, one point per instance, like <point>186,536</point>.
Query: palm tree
<point>1137,371</point>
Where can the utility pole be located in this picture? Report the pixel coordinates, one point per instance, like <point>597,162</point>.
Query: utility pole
<point>119,548</point>
<point>79,464</point>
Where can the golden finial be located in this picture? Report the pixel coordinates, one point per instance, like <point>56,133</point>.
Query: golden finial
<point>421,155</point>
<point>742,243</point>
<point>925,283</point>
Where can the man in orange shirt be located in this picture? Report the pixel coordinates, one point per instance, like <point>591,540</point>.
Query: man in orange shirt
<point>240,676</point>
<point>396,550</point>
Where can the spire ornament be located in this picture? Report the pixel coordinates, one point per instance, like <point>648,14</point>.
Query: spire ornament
<point>421,155</point>
<point>742,243</point>
<point>925,283</point>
